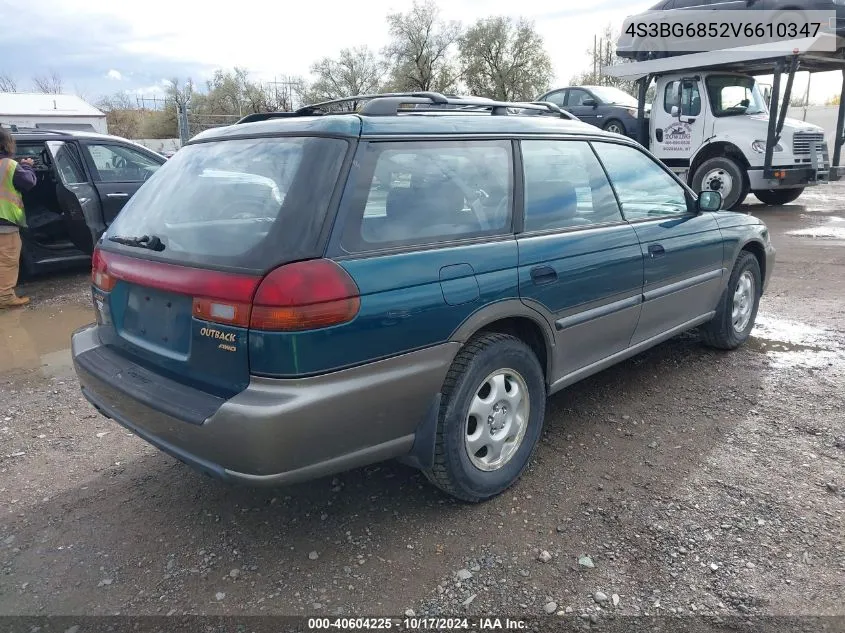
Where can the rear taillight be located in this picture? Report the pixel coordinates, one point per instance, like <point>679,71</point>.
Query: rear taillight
<point>99,272</point>
<point>301,296</point>
<point>305,296</point>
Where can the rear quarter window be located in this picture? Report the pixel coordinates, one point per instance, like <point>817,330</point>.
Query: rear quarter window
<point>242,203</point>
<point>426,192</point>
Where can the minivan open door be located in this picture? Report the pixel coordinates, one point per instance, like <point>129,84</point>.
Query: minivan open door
<point>79,201</point>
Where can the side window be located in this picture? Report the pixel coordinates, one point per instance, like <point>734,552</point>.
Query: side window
<point>118,163</point>
<point>576,97</point>
<point>557,98</point>
<point>565,186</point>
<point>690,98</point>
<point>644,188</point>
<point>69,165</point>
<point>427,192</point>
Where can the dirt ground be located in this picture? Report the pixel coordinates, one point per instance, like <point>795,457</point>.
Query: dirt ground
<point>682,481</point>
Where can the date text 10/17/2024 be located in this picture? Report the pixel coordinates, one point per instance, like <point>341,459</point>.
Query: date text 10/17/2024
<point>418,624</point>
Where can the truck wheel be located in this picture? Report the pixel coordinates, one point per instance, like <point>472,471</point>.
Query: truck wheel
<point>725,176</point>
<point>737,309</point>
<point>491,416</point>
<point>778,197</point>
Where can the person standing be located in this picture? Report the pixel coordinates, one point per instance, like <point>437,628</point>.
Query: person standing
<point>15,178</point>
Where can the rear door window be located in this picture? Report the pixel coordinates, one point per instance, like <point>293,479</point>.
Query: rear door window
<point>424,192</point>
<point>241,203</point>
<point>565,186</point>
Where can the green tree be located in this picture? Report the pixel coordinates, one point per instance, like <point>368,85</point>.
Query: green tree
<point>505,59</point>
<point>421,52</point>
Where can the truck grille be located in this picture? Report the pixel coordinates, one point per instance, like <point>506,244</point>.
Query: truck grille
<point>802,141</point>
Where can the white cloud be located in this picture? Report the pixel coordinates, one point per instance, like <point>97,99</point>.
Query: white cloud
<point>114,74</point>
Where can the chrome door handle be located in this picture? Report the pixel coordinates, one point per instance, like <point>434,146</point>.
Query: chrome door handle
<point>117,195</point>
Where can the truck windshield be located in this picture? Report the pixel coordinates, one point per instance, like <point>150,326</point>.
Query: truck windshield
<point>732,95</point>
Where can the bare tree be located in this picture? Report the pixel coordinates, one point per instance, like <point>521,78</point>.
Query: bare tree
<point>355,71</point>
<point>122,117</point>
<point>601,56</point>
<point>8,83</point>
<point>421,51</point>
<point>505,59</point>
<point>48,84</point>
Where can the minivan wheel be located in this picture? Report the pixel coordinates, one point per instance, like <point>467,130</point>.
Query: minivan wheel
<point>491,416</point>
<point>737,310</point>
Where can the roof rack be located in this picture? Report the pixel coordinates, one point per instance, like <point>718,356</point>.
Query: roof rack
<point>391,103</point>
<point>20,129</point>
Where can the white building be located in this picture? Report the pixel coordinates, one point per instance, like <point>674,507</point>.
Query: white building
<point>46,111</point>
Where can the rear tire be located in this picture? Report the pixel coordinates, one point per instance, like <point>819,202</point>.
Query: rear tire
<point>722,174</point>
<point>777,197</point>
<point>486,377</point>
<point>737,309</point>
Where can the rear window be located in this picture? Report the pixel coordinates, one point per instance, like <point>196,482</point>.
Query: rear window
<point>245,203</point>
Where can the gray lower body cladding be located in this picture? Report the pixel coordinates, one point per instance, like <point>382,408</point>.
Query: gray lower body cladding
<point>283,431</point>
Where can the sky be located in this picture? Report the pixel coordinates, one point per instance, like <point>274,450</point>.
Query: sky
<point>100,47</point>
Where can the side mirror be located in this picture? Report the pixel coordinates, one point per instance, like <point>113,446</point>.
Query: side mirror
<point>676,111</point>
<point>590,103</point>
<point>709,201</point>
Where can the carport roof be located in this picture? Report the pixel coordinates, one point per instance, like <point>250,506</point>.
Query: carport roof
<point>31,104</point>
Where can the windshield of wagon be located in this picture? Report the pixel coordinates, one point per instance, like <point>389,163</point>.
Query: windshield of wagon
<point>732,95</point>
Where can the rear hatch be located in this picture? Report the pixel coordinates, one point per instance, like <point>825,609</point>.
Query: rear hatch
<point>175,275</point>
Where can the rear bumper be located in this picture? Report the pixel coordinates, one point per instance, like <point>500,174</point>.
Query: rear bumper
<point>275,431</point>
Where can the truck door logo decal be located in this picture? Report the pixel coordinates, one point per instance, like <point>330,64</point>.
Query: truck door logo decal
<point>677,137</point>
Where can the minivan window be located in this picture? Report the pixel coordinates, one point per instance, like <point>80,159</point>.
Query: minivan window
<point>425,192</point>
<point>644,189</point>
<point>242,203</point>
<point>565,186</point>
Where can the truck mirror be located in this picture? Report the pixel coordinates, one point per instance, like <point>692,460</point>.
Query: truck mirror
<point>709,201</point>
<point>676,112</point>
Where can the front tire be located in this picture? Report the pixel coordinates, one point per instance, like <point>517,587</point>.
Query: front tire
<point>737,309</point>
<point>777,197</point>
<point>614,126</point>
<point>491,417</point>
<point>725,176</point>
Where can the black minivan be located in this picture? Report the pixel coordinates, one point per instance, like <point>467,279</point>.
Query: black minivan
<point>84,180</point>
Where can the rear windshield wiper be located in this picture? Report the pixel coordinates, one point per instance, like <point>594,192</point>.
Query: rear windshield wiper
<point>152,242</point>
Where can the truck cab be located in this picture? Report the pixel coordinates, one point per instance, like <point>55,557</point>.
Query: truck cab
<point>711,127</point>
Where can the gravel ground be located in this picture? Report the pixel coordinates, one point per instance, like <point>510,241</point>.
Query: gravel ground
<point>684,481</point>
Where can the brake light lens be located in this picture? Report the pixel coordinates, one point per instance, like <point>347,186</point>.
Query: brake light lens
<point>305,296</point>
<point>99,272</point>
<point>301,296</point>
